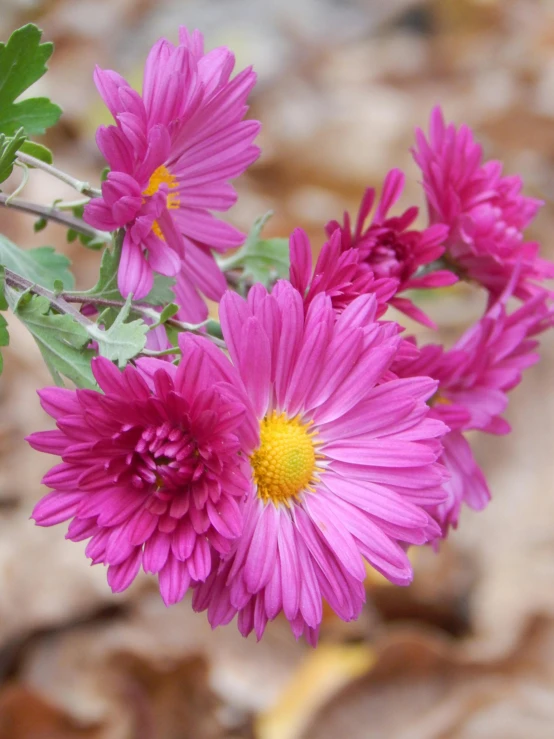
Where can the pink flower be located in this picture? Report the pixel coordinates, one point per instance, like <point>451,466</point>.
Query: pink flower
<point>344,465</point>
<point>342,275</point>
<point>391,249</point>
<point>153,469</point>
<point>474,379</point>
<point>486,212</point>
<point>171,154</point>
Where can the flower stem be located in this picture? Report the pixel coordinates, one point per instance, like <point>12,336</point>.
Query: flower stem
<point>82,187</point>
<point>53,214</point>
<point>162,353</point>
<point>56,301</point>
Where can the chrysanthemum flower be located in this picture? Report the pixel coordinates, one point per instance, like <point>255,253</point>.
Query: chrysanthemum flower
<point>474,379</point>
<point>391,249</point>
<point>343,468</point>
<point>153,469</point>
<point>486,211</point>
<point>171,154</point>
<point>342,275</point>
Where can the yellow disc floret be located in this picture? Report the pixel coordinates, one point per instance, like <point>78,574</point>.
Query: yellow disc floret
<point>162,176</point>
<point>285,462</point>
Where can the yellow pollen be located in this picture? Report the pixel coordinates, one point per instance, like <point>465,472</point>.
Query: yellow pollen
<point>439,399</point>
<point>285,462</point>
<point>162,176</point>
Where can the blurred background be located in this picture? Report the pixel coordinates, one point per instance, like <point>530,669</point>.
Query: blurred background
<point>468,650</point>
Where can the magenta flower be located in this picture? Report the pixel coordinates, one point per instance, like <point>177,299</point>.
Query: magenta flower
<point>391,249</point>
<point>342,275</point>
<point>153,469</point>
<point>486,211</point>
<point>474,379</point>
<point>171,154</point>
<point>344,465</point>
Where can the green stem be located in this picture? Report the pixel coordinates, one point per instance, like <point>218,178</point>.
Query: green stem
<point>69,205</point>
<point>163,353</point>
<point>82,187</point>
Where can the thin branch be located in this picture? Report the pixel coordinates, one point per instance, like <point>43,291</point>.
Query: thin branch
<point>57,301</point>
<point>82,187</point>
<point>52,214</point>
<point>63,304</point>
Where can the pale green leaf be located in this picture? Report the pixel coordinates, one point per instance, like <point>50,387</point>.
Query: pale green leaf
<point>121,341</point>
<point>41,266</point>
<point>261,260</point>
<point>60,338</point>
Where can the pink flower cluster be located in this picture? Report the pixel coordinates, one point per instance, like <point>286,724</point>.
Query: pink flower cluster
<point>264,477</point>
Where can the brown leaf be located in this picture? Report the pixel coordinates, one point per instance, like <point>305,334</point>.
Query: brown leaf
<point>24,715</point>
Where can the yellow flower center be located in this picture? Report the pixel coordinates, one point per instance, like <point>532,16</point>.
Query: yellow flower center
<point>285,462</point>
<point>439,399</point>
<point>162,176</point>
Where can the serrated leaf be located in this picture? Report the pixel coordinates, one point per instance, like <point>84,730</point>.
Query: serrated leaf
<point>261,260</point>
<point>122,341</point>
<point>38,151</point>
<point>42,266</point>
<point>60,338</point>
<point>267,260</point>
<point>9,146</point>
<point>161,293</point>
<point>23,62</point>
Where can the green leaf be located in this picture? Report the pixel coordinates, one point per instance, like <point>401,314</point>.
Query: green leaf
<point>122,341</point>
<point>161,293</point>
<point>39,224</point>
<point>23,62</point>
<point>3,301</point>
<point>214,328</point>
<point>60,338</point>
<point>9,146</point>
<point>42,266</point>
<point>4,339</point>
<point>262,260</point>
<point>168,312</point>
<point>91,242</point>
<point>106,287</point>
<point>38,151</point>
<point>267,261</point>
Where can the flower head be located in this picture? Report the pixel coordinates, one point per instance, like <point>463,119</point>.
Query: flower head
<point>343,467</point>
<point>342,275</point>
<point>171,154</point>
<point>391,249</point>
<point>485,210</point>
<point>152,469</point>
<point>474,379</point>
